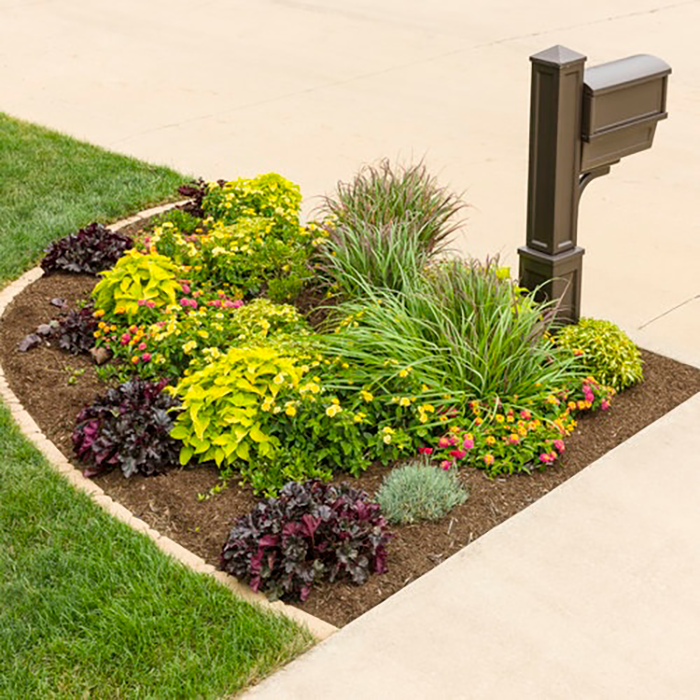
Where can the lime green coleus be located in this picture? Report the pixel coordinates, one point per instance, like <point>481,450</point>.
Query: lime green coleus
<point>222,402</point>
<point>136,277</point>
<point>605,350</point>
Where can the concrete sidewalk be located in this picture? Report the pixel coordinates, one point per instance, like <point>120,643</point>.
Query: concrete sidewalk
<point>591,591</point>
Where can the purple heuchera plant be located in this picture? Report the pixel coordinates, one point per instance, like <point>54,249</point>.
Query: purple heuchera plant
<point>76,330</point>
<point>91,250</point>
<point>128,427</point>
<point>311,531</point>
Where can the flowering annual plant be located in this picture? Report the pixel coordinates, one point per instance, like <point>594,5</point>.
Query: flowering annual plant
<point>502,439</point>
<point>197,329</point>
<point>270,195</point>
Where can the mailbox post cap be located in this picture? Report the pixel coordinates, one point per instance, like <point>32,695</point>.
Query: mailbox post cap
<point>558,56</point>
<point>624,72</point>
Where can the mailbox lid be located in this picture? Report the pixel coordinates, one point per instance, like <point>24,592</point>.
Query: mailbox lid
<point>623,92</point>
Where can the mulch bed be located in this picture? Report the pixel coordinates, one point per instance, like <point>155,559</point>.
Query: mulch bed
<point>53,386</point>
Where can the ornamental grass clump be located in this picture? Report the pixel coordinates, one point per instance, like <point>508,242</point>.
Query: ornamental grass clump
<point>418,491</point>
<point>464,330</point>
<point>312,532</point>
<point>605,351</point>
<point>384,257</point>
<point>384,225</point>
<point>382,196</point>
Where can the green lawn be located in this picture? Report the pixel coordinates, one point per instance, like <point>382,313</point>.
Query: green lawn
<point>51,184</point>
<point>89,608</point>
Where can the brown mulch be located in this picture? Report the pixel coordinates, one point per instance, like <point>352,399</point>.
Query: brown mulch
<point>170,503</point>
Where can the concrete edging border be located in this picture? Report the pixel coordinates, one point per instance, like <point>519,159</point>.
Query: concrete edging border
<point>318,628</point>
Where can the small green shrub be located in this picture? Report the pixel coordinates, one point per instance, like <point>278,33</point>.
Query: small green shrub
<point>253,255</point>
<point>605,351</point>
<point>137,280</point>
<point>418,491</point>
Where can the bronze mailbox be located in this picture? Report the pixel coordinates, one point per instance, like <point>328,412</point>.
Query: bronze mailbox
<point>582,121</point>
<point>622,103</point>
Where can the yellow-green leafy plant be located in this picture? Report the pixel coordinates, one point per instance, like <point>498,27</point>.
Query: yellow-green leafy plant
<point>198,330</point>
<point>604,350</point>
<point>270,195</point>
<point>137,281</point>
<point>222,403</point>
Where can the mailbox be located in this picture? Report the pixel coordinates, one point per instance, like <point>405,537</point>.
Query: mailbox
<point>622,103</point>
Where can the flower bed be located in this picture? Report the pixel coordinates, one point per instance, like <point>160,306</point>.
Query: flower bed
<point>262,396</point>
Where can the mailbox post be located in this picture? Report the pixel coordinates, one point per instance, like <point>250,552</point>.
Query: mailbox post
<point>582,121</point>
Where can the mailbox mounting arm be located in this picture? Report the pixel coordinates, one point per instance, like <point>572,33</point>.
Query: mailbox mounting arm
<point>591,175</point>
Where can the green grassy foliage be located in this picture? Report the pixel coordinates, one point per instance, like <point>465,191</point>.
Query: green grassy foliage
<point>51,185</point>
<point>385,224</point>
<point>464,331</point>
<point>89,606</point>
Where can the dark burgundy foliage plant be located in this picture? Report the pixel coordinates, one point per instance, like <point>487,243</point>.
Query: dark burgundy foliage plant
<point>129,427</point>
<point>76,330</point>
<point>90,250</point>
<point>310,532</point>
<point>196,190</point>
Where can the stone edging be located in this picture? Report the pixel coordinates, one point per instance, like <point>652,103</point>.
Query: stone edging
<point>319,628</point>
